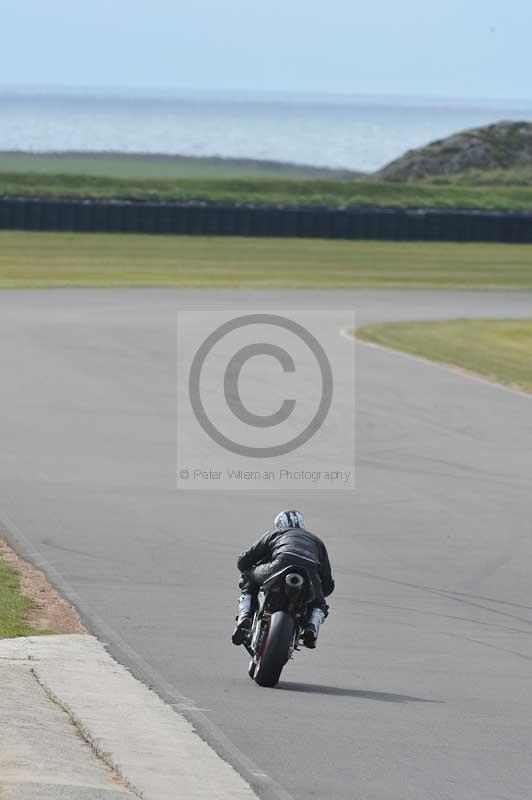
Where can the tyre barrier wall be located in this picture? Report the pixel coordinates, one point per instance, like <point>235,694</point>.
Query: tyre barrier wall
<point>355,222</point>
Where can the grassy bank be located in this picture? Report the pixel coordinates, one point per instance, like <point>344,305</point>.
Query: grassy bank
<point>70,259</point>
<point>332,193</point>
<point>500,350</point>
<point>516,176</point>
<point>14,607</point>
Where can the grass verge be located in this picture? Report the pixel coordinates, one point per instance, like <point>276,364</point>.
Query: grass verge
<point>500,350</point>
<point>75,259</point>
<point>14,606</point>
<point>267,191</point>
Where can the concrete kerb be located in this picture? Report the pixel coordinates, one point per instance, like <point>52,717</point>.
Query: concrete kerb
<point>156,751</point>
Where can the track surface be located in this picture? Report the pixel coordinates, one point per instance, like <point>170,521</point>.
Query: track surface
<point>422,685</point>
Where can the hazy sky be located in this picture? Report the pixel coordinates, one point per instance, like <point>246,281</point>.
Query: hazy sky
<point>456,48</point>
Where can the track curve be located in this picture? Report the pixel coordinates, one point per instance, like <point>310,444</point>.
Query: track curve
<point>421,685</point>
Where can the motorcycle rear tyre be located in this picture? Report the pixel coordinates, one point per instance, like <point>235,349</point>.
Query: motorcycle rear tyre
<point>276,649</point>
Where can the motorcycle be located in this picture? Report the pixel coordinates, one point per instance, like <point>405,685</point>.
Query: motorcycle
<point>278,625</point>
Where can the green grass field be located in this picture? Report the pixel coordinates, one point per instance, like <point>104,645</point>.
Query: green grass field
<point>14,607</point>
<point>73,259</point>
<point>268,191</point>
<point>500,350</point>
<point>145,165</point>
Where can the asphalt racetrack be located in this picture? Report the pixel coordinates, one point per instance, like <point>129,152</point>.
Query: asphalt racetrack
<point>421,687</point>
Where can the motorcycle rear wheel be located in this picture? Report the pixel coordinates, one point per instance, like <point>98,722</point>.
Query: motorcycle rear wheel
<point>276,650</point>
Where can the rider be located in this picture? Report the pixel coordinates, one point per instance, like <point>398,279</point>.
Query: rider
<point>289,543</point>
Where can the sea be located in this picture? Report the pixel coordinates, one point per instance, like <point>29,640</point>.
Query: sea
<point>340,131</point>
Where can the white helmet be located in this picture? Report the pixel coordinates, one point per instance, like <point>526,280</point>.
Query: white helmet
<point>288,519</point>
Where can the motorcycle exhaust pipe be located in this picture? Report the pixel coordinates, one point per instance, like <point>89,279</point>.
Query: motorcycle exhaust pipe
<point>293,584</point>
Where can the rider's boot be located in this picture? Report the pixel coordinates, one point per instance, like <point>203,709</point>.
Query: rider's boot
<point>246,609</point>
<point>312,628</point>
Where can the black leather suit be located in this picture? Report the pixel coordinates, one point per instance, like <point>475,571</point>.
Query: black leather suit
<point>279,548</point>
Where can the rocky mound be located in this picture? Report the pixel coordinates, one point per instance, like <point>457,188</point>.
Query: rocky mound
<point>504,145</point>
